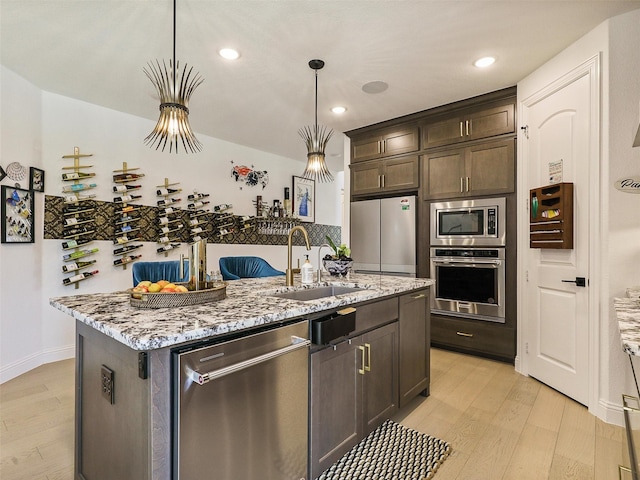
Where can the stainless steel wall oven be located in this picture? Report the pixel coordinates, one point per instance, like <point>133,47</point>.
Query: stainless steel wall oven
<point>470,282</point>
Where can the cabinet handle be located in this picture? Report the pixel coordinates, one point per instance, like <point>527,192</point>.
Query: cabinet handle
<point>462,334</point>
<point>382,180</point>
<point>381,146</point>
<point>461,184</point>
<point>361,370</point>
<point>379,182</point>
<point>467,184</point>
<point>368,365</point>
<point>467,122</point>
<point>461,134</point>
<point>416,297</point>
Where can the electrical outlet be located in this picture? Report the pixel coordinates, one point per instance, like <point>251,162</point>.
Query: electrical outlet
<point>108,383</point>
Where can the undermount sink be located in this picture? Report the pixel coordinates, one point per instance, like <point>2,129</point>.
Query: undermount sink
<point>308,294</point>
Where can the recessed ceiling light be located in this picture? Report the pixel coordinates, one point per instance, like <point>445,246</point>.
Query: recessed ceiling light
<point>484,62</point>
<point>375,87</point>
<point>229,53</point>
<point>339,110</point>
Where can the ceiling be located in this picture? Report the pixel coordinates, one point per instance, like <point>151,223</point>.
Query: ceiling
<point>95,50</point>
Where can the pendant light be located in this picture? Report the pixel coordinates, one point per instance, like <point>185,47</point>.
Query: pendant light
<point>316,138</point>
<point>173,125</point>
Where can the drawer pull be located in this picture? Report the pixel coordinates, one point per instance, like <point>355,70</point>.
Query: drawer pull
<point>416,297</point>
<point>462,334</point>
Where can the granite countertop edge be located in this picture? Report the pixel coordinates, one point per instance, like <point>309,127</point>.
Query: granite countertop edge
<point>248,304</point>
<point>628,315</point>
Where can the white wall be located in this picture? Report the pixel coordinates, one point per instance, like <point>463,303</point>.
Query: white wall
<point>34,332</point>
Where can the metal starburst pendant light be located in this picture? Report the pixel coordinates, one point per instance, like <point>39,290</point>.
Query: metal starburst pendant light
<point>316,138</point>
<point>173,125</point>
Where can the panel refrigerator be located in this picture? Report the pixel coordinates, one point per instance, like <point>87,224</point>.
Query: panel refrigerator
<point>383,236</point>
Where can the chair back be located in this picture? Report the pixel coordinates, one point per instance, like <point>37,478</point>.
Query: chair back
<point>234,268</point>
<point>155,271</point>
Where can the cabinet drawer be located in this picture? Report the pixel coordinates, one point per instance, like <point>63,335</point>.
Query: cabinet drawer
<point>474,336</point>
<point>374,314</point>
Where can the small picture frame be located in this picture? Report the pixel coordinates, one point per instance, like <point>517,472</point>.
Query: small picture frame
<point>36,179</point>
<point>17,215</point>
<point>304,199</point>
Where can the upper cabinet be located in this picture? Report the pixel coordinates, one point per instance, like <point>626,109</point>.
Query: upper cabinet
<point>466,125</point>
<point>393,141</point>
<point>486,168</point>
<point>383,176</point>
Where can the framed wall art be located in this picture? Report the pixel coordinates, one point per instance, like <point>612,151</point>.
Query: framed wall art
<point>2,173</point>
<point>17,215</point>
<point>304,199</point>
<point>36,179</point>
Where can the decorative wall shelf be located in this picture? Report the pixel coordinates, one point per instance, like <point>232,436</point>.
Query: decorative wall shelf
<point>551,223</point>
<point>78,222</point>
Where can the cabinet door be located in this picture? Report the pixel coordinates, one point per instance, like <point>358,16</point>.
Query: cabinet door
<point>366,178</point>
<point>400,174</point>
<point>401,141</point>
<point>336,404</point>
<point>366,149</point>
<point>444,132</point>
<point>442,174</point>
<point>380,398</point>
<point>490,168</point>
<point>413,325</point>
<point>490,122</point>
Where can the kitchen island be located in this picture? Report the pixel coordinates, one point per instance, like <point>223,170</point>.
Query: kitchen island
<point>124,369</point>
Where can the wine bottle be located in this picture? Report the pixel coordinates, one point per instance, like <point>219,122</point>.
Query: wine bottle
<point>126,198</point>
<point>124,177</point>
<point>198,204</point>
<point>168,247</point>
<point>75,243</point>
<point>71,267</point>
<point>168,191</point>
<point>125,228</point>
<point>76,199</point>
<point>126,249</point>
<point>169,210</point>
<point>196,230</point>
<point>197,238</point>
<point>193,222</point>
<point>221,207</point>
<point>77,175</point>
<point>168,201</point>
<point>197,196</point>
<point>77,209</point>
<point>70,221</point>
<point>76,231</point>
<point>127,259</point>
<point>79,254</point>
<point>77,278</point>
<point>124,188</point>
<point>78,186</point>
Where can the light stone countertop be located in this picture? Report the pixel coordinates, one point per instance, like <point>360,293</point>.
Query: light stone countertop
<point>248,304</point>
<point>628,315</point>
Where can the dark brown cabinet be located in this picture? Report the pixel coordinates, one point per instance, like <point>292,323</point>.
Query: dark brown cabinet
<point>395,141</point>
<point>474,336</point>
<point>354,388</point>
<point>414,336</point>
<point>466,125</point>
<point>388,175</point>
<point>486,168</point>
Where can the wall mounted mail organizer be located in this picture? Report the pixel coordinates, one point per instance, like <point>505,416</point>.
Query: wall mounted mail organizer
<point>551,222</point>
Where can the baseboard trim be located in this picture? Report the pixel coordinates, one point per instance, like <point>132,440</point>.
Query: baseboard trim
<point>17,368</point>
<point>610,412</point>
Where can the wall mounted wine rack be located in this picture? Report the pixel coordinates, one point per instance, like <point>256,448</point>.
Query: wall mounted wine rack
<point>170,223</point>
<point>126,215</point>
<point>78,220</point>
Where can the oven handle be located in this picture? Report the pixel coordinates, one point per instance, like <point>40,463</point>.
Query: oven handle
<point>204,378</point>
<point>468,263</point>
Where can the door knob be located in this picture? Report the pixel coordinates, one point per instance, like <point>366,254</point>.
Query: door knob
<point>579,281</point>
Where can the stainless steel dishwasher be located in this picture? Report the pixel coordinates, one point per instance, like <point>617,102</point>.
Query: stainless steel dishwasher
<point>241,407</point>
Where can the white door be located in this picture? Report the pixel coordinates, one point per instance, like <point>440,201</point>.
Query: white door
<point>559,128</point>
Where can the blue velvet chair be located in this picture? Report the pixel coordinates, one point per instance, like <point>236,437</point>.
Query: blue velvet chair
<point>154,271</point>
<point>234,268</point>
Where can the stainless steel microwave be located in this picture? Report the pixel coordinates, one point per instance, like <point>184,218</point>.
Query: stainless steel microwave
<point>469,222</point>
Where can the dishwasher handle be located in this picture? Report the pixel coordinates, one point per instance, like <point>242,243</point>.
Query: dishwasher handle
<point>203,378</point>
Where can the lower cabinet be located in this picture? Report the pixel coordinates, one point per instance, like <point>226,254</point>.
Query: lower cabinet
<point>354,388</point>
<point>414,334</point>
<point>490,339</point>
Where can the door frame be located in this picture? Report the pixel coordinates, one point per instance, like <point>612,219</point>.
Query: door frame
<point>591,68</point>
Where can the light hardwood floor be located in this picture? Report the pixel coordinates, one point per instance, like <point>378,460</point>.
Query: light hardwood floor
<point>501,425</point>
